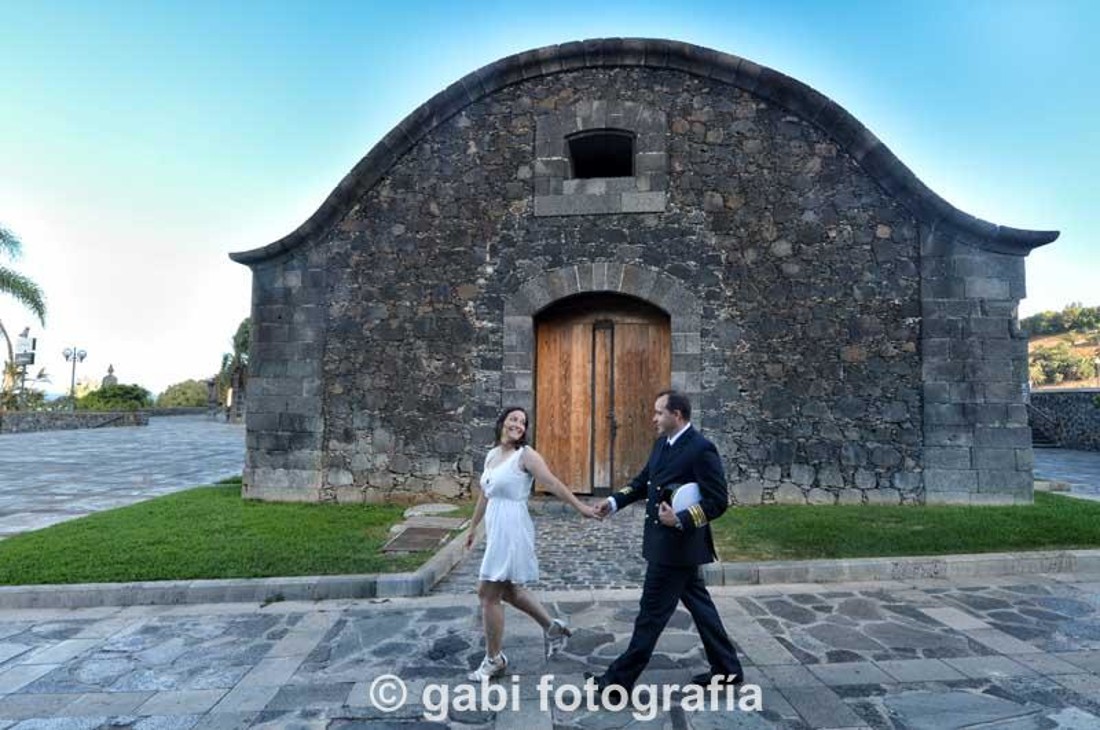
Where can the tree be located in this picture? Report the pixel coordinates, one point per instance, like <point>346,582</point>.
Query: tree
<point>189,393</point>
<point>84,386</point>
<point>1074,316</point>
<point>1071,315</point>
<point>116,398</point>
<point>30,397</point>
<point>234,367</point>
<point>1053,365</point>
<point>24,291</point>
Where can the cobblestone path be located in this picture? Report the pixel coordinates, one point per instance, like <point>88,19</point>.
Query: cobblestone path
<point>1009,653</point>
<point>574,553</point>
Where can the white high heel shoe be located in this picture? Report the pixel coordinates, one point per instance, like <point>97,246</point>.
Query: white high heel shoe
<point>489,668</point>
<point>555,637</point>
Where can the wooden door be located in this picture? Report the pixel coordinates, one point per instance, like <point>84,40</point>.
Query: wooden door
<point>599,363</point>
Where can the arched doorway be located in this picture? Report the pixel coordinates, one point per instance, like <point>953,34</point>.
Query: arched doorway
<point>600,358</point>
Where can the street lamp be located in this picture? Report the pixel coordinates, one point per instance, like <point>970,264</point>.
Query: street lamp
<point>71,353</point>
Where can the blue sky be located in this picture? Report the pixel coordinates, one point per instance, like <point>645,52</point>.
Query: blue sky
<point>140,142</point>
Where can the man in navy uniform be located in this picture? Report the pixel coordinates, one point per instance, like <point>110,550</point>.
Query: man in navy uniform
<point>674,545</point>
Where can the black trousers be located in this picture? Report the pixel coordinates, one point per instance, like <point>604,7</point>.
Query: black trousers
<point>664,587</point>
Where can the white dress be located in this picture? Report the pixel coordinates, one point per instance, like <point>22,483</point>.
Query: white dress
<point>509,532</point>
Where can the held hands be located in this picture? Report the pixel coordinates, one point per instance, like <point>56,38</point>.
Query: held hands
<point>602,510</point>
<point>590,512</point>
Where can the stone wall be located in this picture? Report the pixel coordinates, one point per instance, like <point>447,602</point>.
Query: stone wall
<point>1069,418</point>
<point>284,415</point>
<point>184,411</point>
<point>27,421</point>
<point>847,335</point>
<point>977,445</point>
<point>805,360</point>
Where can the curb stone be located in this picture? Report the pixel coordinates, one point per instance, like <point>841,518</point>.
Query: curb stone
<point>242,590</point>
<point>420,583</point>
<point>980,565</point>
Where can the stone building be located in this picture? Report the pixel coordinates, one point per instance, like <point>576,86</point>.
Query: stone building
<point>573,228</point>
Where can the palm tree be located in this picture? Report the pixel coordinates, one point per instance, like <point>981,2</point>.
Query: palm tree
<point>24,291</point>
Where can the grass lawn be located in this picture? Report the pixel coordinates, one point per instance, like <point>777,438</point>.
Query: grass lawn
<point>793,532</point>
<point>208,532</point>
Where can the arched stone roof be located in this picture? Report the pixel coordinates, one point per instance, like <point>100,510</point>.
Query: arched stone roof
<point>649,285</point>
<point>863,146</point>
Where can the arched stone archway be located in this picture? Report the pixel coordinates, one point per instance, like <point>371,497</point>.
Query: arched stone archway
<point>649,285</point>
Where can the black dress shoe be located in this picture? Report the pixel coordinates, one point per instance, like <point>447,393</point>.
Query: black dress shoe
<point>598,678</point>
<point>601,685</point>
<point>708,678</point>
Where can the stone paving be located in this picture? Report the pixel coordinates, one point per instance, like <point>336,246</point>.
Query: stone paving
<point>1079,469</point>
<point>52,476</point>
<point>1004,653</point>
<point>574,553</point>
<point>1013,653</point>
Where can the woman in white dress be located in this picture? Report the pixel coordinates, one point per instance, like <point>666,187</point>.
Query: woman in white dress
<point>510,469</point>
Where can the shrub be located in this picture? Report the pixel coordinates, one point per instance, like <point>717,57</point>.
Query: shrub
<point>189,393</point>
<point>1074,316</point>
<point>115,398</point>
<point>1056,364</point>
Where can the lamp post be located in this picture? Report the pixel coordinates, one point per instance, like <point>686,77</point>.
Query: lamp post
<point>75,355</point>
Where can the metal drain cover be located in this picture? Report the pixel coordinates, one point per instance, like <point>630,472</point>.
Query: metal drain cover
<point>414,539</point>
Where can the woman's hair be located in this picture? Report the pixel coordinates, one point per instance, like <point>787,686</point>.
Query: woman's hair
<point>500,424</point>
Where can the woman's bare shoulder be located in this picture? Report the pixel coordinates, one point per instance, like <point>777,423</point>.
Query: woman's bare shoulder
<point>491,458</point>
<point>530,456</point>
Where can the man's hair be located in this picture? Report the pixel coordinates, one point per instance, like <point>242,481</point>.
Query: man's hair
<point>677,401</point>
<point>500,424</point>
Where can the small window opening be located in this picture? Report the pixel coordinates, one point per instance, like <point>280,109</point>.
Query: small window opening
<point>602,153</point>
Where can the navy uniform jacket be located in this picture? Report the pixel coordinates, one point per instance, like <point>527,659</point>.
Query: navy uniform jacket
<point>692,458</point>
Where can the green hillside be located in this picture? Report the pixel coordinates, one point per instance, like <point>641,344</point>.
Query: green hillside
<point>1064,347</point>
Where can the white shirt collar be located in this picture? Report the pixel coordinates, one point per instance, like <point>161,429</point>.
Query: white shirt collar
<point>679,433</point>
